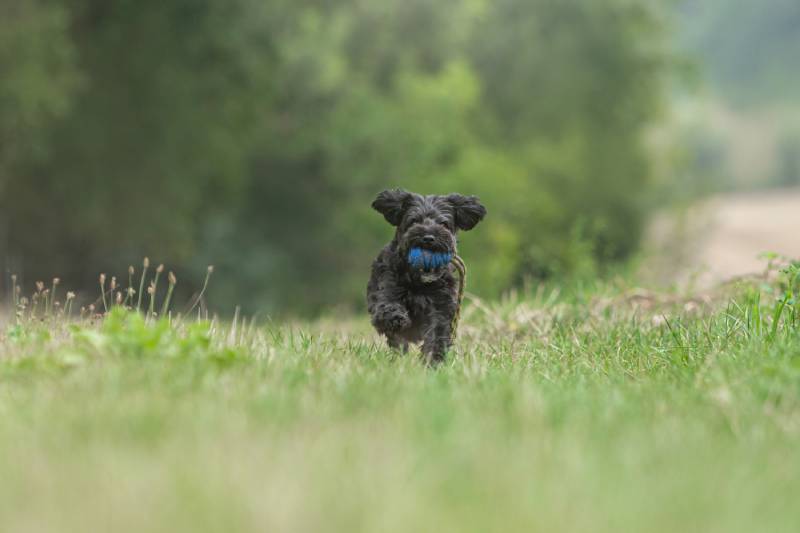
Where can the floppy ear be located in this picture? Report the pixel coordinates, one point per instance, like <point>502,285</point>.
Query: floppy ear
<point>468,210</point>
<point>392,204</point>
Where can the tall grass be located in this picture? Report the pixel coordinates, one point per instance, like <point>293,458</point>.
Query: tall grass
<point>605,408</point>
<point>43,303</point>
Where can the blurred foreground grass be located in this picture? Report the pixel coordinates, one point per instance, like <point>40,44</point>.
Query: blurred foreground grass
<point>609,411</point>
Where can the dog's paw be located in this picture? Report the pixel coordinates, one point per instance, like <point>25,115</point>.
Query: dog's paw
<point>399,321</point>
<point>392,317</point>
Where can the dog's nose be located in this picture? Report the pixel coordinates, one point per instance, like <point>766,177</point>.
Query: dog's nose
<point>428,239</point>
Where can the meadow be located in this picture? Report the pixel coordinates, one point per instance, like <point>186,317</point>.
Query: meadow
<point>598,407</point>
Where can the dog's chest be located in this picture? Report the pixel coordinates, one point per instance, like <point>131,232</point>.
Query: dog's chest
<point>425,299</point>
<point>419,304</point>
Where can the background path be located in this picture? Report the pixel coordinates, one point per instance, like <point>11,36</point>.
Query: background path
<point>723,237</point>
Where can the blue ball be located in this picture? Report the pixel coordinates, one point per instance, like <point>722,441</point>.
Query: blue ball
<point>426,260</point>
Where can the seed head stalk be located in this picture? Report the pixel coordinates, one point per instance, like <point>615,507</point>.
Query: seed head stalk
<point>172,282</point>
<point>129,294</point>
<point>209,271</point>
<point>129,291</point>
<point>152,290</point>
<point>68,304</point>
<point>113,290</point>
<point>38,296</point>
<point>145,265</point>
<point>56,281</point>
<point>103,291</point>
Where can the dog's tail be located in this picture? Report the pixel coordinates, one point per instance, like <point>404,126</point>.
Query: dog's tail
<point>462,283</point>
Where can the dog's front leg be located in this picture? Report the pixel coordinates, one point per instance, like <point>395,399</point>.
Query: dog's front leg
<point>385,302</point>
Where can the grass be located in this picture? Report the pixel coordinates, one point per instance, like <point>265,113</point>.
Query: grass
<point>601,410</point>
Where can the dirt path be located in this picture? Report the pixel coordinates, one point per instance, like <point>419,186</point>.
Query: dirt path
<point>724,237</point>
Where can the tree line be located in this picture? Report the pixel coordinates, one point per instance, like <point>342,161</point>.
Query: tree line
<point>254,135</point>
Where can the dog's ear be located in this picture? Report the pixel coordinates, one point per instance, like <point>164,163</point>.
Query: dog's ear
<point>468,210</point>
<point>392,204</point>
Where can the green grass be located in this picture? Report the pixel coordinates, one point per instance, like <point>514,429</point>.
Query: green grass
<point>608,411</point>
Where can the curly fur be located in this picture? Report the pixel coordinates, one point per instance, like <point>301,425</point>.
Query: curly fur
<point>408,304</point>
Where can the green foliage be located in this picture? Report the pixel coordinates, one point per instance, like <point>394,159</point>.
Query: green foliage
<point>254,135</point>
<point>38,81</point>
<point>749,49</point>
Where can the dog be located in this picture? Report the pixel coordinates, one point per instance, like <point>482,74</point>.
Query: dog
<point>412,294</point>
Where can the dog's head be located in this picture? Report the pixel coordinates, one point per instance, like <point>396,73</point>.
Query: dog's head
<point>429,223</point>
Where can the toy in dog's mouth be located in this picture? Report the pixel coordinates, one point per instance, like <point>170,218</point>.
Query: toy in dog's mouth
<point>427,260</point>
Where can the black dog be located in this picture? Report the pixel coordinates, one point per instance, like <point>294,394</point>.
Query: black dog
<point>410,299</point>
